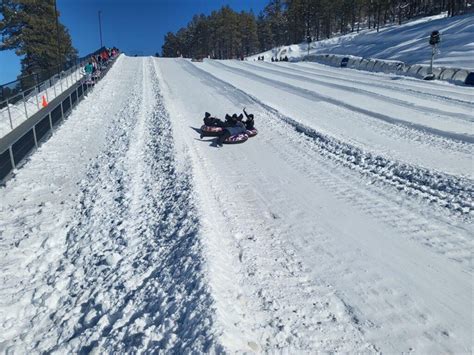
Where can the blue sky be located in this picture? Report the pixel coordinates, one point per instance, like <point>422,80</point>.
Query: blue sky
<point>134,26</point>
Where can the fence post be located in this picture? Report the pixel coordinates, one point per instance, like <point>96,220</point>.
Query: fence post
<point>9,114</point>
<point>34,136</point>
<point>54,87</point>
<point>24,104</point>
<point>61,82</point>
<point>62,111</point>
<point>36,94</point>
<point>11,157</point>
<point>50,122</point>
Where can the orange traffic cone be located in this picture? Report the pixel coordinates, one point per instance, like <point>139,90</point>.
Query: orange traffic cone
<point>45,103</point>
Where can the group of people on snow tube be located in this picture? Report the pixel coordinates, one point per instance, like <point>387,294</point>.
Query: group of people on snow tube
<point>233,130</point>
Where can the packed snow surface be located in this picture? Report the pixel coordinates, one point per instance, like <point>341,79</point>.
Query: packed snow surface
<point>407,42</point>
<point>345,225</point>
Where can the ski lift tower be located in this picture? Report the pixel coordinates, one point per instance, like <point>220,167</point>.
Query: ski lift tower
<point>435,39</point>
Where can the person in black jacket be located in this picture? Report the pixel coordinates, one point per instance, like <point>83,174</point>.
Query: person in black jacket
<point>232,120</point>
<point>249,122</point>
<point>213,121</point>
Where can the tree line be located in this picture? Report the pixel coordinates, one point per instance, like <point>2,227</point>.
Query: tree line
<point>32,29</point>
<point>226,34</point>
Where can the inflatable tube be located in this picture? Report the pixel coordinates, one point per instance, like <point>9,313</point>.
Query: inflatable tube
<point>469,79</point>
<point>371,64</point>
<point>252,132</point>
<point>437,72</point>
<point>210,131</point>
<point>363,64</point>
<point>448,73</point>
<point>378,66</point>
<point>353,62</point>
<point>423,72</point>
<point>237,138</point>
<point>414,69</point>
<point>461,76</point>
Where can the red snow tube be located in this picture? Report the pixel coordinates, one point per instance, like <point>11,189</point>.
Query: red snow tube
<point>237,138</point>
<point>252,132</point>
<point>210,131</point>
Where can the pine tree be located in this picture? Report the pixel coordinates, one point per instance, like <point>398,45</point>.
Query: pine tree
<point>264,32</point>
<point>170,46</point>
<point>249,33</point>
<point>274,12</point>
<point>29,28</point>
<point>226,34</point>
<point>296,16</point>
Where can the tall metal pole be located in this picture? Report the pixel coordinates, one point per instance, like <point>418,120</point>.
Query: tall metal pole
<point>57,35</point>
<point>100,28</point>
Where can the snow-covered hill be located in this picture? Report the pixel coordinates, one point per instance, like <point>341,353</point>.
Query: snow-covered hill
<point>344,226</point>
<point>407,43</point>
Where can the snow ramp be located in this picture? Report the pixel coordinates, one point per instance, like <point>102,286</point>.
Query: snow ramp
<point>345,225</point>
<point>104,253</point>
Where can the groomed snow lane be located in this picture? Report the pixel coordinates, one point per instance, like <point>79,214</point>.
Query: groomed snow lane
<point>450,191</point>
<point>370,134</point>
<point>122,269</point>
<point>126,232</point>
<point>362,103</point>
<point>289,213</point>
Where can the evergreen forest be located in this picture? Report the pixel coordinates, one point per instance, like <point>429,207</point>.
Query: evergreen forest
<point>226,34</point>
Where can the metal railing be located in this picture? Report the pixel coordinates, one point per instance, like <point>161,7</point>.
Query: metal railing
<point>16,145</point>
<point>17,109</point>
<point>18,103</point>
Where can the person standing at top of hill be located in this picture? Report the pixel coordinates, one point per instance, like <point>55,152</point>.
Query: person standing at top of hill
<point>89,69</point>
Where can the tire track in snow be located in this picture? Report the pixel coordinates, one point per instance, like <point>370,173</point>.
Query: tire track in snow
<point>348,88</point>
<point>449,241</point>
<point>311,95</point>
<point>132,275</point>
<point>379,131</point>
<point>39,205</point>
<point>451,192</point>
<point>379,307</point>
<point>393,314</point>
<point>426,226</point>
<point>281,308</point>
<point>358,79</point>
<point>296,313</point>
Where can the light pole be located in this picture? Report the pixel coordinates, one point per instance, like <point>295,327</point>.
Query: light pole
<point>100,28</point>
<point>435,39</point>
<point>57,35</point>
